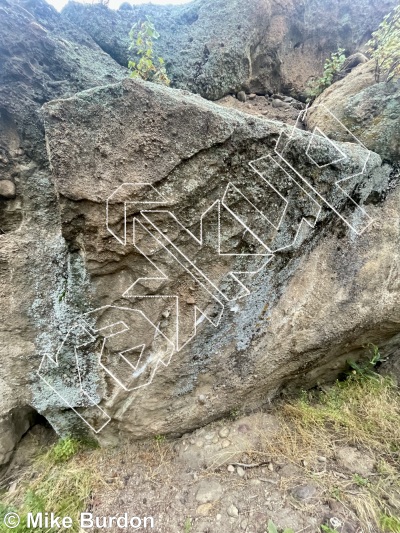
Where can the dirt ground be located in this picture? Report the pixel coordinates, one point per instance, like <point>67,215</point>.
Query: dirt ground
<point>216,481</point>
<point>263,106</point>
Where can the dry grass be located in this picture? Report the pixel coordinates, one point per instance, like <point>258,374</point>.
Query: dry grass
<point>60,481</point>
<point>363,412</point>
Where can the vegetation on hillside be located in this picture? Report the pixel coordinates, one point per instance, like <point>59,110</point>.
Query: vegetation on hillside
<point>384,47</point>
<point>332,66</point>
<point>362,411</point>
<point>148,68</point>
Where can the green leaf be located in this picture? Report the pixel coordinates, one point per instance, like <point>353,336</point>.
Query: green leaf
<point>272,527</point>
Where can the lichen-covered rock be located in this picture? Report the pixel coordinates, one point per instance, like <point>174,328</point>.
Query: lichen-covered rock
<point>211,340</point>
<point>370,110</point>
<point>217,47</point>
<point>42,57</point>
<point>152,280</point>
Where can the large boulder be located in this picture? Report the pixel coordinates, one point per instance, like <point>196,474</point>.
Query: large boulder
<point>369,110</point>
<point>216,47</point>
<point>147,327</point>
<point>214,285</point>
<point>42,57</point>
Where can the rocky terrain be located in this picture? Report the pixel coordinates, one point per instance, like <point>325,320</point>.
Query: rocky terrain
<point>368,109</point>
<point>169,256</point>
<point>260,46</point>
<point>241,473</point>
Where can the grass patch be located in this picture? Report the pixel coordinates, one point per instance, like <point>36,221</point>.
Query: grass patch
<point>390,523</point>
<point>64,450</point>
<point>60,481</point>
<point>363,412</point>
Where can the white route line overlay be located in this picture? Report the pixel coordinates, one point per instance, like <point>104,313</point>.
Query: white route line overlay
<point>157,199</point>
<point>301,117</point>
<point>84,327</point>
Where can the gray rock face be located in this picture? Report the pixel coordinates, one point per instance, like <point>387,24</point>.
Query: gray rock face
<point>170,162</point>
<point>41,58</point>
<point>13,425</point>
<point>216,47</point>
<point>207,283</point>
<point>370,110</point>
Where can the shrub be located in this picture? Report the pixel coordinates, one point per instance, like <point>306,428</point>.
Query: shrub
<point>384,47</point>
<point>332,66</point>
<point>64,450</point>
<point>142,37</point>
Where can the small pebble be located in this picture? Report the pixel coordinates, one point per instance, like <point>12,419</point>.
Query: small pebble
<point>225,443</point>
<point>204,509</point>
<point>271,467</point>
<point>321,459</point>
<point>304,492</point>
<point>231,468</point>
<point>240,471</point>
<point>233,511</point>
<point>223,433</point>
<point>7,189</point>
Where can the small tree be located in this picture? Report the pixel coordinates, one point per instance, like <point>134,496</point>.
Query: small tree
<point>142,37</point>
<point>384,47</point>
<point>331,67</point>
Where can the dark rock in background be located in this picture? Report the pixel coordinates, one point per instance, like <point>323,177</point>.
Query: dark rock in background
<point>215,47</point>
<point>308,313</point>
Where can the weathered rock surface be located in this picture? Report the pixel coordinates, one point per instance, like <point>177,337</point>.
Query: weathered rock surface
<point>182,327</point>
<point>41,58</point>
<point>370,110</point>
<point>12,428</point>
<point>308,310</point>
<point>217,47</point>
